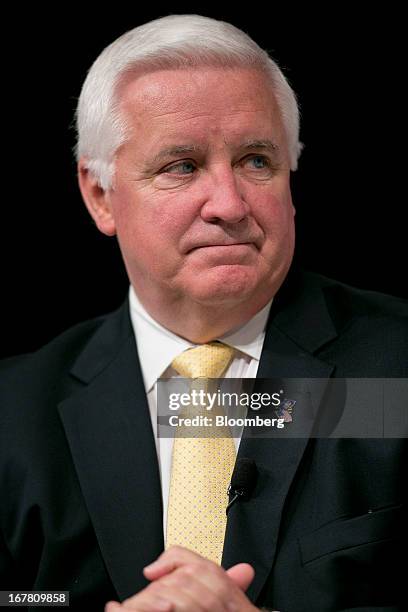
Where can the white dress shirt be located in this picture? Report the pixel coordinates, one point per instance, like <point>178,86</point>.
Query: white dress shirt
<point>158,346</point>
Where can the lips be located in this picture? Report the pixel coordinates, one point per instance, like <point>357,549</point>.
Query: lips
<point>221,244</point>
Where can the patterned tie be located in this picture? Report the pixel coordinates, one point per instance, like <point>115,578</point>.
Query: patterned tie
<point>201,466</point>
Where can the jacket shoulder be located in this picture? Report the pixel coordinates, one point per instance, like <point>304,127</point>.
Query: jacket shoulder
<point>372,329</point>
<point>47,368</point>
<point>67,346</point>
<point>353,302</point>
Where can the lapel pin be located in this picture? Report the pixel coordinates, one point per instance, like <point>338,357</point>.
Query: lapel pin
<point>285,409</point>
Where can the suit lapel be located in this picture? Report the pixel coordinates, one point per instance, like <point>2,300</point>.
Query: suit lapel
<point>108,427</point>
<point>253,526</point>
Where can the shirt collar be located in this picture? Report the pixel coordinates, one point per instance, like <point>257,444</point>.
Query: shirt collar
<point>158,346</point>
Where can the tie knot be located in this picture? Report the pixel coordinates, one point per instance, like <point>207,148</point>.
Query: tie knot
<point>205,361</point>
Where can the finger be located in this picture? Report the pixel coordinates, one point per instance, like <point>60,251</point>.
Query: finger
<point>186,592</point>
<point>171,559</point>
<point>206,583</point>
<point>242,574</point>
<point>112,606</point>
<point>227,589</point>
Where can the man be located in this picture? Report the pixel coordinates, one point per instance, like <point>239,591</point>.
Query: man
<point>187,136</point>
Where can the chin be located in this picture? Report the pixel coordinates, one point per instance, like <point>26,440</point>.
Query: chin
<point>225,285</point>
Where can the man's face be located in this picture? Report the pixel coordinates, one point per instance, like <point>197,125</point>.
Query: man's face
<point>201,200</point>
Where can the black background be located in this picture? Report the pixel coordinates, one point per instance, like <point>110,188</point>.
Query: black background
<point>349,190</point>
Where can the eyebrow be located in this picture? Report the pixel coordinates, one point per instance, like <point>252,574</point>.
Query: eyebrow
<point>265,145</point>
<point>175,151</point>
<point>184,149</point>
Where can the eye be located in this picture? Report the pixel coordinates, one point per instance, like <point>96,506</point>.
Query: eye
<point>182,168</point>
<point>258,162</point>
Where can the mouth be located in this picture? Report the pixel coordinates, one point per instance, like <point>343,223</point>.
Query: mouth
<point>220,246</point>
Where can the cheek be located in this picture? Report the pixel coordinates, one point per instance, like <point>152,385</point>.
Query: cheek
<point>147,221</point>
<point>275,215</point>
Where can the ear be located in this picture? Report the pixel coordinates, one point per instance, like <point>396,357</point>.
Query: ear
<point>97,200</point>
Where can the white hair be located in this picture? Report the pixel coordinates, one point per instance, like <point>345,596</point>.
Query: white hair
<point>175,41</point>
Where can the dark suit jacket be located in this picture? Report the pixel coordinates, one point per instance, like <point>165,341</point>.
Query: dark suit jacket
<point>80,493</point>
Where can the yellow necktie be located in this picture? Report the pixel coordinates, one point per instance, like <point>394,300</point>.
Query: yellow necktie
<point>201,466</point>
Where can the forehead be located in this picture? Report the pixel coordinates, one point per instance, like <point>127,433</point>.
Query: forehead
<point>201,102</point>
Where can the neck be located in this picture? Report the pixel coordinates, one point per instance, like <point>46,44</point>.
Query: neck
<point>201,323</point>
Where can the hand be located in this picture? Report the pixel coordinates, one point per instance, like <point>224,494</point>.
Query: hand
<point>183,581</point>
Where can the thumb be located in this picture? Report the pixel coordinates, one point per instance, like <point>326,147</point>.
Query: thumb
<point>242,574</point>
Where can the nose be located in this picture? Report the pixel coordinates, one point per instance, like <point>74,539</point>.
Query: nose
<point>225,201</point>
